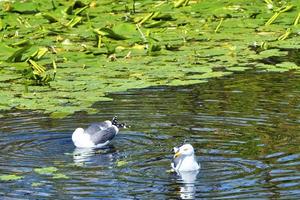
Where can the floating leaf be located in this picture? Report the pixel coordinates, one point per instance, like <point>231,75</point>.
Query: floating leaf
<point>46,170</point>
<point>49,17</point>
<point>11,177</point>
<point>78,12</point>
<point>21,43</point>
<point>288,65</point>
<point>60,176</point>
<point>297,19</point>
<point>107,32</point>
<point>17,55</point>
<point>36,184</point>
<point>180,3</point>
<point>74,21</point>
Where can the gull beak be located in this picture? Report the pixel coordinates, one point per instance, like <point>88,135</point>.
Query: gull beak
<point>177,154</point>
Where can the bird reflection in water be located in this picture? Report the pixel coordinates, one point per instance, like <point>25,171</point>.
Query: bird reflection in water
<point>187,181</point>
<point>94,155</point>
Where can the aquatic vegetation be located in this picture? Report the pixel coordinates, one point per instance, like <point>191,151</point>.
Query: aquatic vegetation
<point>60,176</point>
<point>61,57</point>
<point>36,184</point>
<point>10,177</point>
<point>50,171</point>
<point>121,163</point>
<point>46,170</point>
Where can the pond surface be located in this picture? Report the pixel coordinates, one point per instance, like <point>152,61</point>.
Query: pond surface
<point>245,130</point>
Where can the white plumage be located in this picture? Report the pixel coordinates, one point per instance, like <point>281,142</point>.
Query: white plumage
<point>184,159</point>
<point>97,134</point>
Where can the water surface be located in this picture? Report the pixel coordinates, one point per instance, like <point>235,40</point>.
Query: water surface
<point>245,130</point>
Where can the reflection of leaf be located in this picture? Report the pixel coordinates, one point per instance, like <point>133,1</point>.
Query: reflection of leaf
<point>209,75</point>
<point>11,177</point>
<point>185,82</point>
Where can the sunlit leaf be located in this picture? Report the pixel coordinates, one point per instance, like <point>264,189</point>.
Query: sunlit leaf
<point>11,177</point>
<point>46,170</point>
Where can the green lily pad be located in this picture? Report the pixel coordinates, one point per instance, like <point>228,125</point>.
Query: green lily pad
<point>237,69</point>
<point>288,65</point>
<point>36,184</point>
<point>46,170</point>
<point>83,50</point>
<point>60,176</point>
<point>11,177</point>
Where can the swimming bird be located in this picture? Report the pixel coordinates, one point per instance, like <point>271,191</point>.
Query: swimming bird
<point>184,159</point>
<point>97,134</point>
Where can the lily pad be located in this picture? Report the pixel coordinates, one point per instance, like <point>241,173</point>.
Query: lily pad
<point>62,57</point>
<point>11,177</point>
<point>288,65</point>
<point>60,176</point>
<point>46,170</point>
<point>36,184</point>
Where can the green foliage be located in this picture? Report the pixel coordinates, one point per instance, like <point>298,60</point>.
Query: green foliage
<point>63,56</point>
<point>46,170</point>
<point>11,177</point>
<point>49,171</point>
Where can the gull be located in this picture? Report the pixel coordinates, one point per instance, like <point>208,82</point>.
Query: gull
<point>97,134</point>
<point>184,159</point>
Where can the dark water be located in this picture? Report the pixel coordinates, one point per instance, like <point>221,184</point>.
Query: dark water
<point>245,130</point>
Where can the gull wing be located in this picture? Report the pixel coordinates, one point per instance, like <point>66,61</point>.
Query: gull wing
<point>96,127</point>
<point>104,135</point>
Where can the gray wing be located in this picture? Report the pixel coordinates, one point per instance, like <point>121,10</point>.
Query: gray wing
<point>96,127</point>
<point>104,135</point>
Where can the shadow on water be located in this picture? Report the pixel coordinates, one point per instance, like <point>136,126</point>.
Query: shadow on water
<point>245,130</point>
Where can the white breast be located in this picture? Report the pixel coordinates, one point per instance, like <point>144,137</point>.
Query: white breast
<point>188,163</point>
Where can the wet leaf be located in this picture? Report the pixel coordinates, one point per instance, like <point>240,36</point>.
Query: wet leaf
<point>50,17</point>
<point>60,176</point>
<point>18,54</point>
<point>36,184</point>
<point>288,65</point>
<point>107,32</point>
<point>11,177</point>
<point>46,170</point>
<point>58,69</point>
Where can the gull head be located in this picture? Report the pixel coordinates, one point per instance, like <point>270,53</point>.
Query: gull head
<point>115,122</point>
<point>184,150</point>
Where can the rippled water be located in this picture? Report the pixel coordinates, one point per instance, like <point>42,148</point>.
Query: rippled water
<point>245,130</point>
